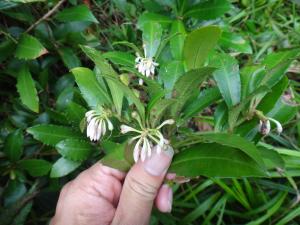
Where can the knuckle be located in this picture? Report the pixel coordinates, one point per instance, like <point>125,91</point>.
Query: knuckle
<point>145,191</point>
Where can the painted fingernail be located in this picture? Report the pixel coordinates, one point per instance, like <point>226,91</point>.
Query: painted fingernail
<point>158,164</point>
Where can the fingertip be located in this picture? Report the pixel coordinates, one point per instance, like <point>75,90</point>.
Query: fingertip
<point>164,199</point>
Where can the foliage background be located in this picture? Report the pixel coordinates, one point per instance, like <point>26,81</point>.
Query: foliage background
<point>253,29</point>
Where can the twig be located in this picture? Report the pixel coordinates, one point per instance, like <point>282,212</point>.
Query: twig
<point>48,14</point>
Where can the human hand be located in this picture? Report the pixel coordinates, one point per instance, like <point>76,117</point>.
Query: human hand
<point>98,195</point>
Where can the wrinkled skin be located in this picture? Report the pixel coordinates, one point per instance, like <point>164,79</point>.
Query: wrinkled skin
<point>103,196</point>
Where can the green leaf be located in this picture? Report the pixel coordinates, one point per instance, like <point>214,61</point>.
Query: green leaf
<point>177,42</point>
<point>121,58</point>
<point>235,141</point>
<point>113,79</point>
<point>74,149</point>
<point>29,48</point>
<point>205,98</point>
<point>277,64</point>
<point>198,44</point>
<point>227,77</point>
<point>171,73</point>
<point>186,86</point>
<point>52,134</point>
<point>13,145</point>
<point>35,167</point>
<point>63,167</point>
<point>27,90</point>
<point>7,48</point>
<point>92,92</point>
<point>75,113</point>
<point>268,102</point>
<point>158,110</point>
<point>214,160</point>
<point>69,58</point>
<point>235,42</point>
<point>147,17</point>
<point>77,13</point>
<point>272,158</point>
<point>208,10</point>
<point>152,33</point>
<point>115,156</point>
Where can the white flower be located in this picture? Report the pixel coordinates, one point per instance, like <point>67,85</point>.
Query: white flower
<point>265,126</point>
<point>97,124</point>
<point>145,66</point>
<point>146,139</point>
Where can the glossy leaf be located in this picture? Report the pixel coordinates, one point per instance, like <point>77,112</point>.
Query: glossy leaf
<point>177,42</point>
<point>77,13</point>
<point>13,147</point>
<point>92,92</point>
<point>63,167</point>
<point>52,134</point>
<point>152,33</point>
<point>74,149</point>
<point>35,167</point>
<point>227,77</point>
<point>27,90</point>
<point>208,10</point>
<point>29,48</point>
<point>198,44</point>
<point>214,160</point>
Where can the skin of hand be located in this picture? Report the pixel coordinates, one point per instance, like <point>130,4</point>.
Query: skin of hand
<point>104,196</point>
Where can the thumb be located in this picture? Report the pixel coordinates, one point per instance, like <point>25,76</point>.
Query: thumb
<point>140,189</point>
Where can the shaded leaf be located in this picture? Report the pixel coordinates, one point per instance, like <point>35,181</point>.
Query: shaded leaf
<point>152,33</point>
<point>13,145</point>
<point>35,167</point>
<point>177,42</point>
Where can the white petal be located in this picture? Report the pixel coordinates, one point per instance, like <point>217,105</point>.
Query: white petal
<point>149,150</point>
<point>110,125</point>
<point>144,151</point>
<point>136,150</point>
<point>90,128</point>
<point>141,81</point>
<point>99,130</point>
<point>169,122</point>
<point>125,129</point>
<point>279,128</point>
<point>103,128</point>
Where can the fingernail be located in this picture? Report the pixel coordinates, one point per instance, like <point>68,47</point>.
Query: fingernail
<point>158,164</point>
<point>170,199</point>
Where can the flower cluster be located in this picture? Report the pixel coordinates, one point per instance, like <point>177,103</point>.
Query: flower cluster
<point>265,126</point>
<point>97,124</point>
<point>145,66</point>
<point>146,139</point>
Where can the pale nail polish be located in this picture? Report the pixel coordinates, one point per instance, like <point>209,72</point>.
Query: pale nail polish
<point>158,164</point>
